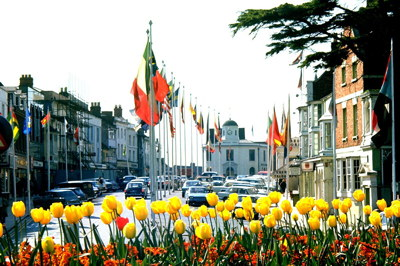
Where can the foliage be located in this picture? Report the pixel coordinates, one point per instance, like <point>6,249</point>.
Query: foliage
<point>301,27</point>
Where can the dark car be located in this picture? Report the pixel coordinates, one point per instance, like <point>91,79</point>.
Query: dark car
<point>65,196</point>
<point>97,191</point>
<point>81,195</point>
<point>188,184</point>
<point>111,185</point>
<point>135,189</point>
<point>196,196</point>
<point>126,179</point>
<point>86,186</point>
<point>145,179</point>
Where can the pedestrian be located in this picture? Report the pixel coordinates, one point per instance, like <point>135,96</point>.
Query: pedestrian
<point>282,185</point>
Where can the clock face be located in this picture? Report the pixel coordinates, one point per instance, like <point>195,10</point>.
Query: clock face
<point>229,132</point>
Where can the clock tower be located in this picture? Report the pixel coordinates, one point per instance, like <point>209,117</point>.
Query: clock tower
<point>230,131</point>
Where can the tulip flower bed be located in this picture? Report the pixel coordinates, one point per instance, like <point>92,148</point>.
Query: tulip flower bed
<point>268,232</point>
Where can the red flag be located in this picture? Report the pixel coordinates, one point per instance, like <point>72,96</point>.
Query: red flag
<point>45,119</point>
<point>274,137</point>
<point>76,136</point>
<point>200,124</point>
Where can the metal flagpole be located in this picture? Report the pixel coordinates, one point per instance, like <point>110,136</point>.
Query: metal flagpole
<point>159,155</point>
<point>191,141</point>
<point>333,102</point>
<point>197,143</point>
<point>66,151</point>
<point>176,144</point>
<point>394,104</point>
<point>269,157</point>
<point>79,147</point>
<point>28,165</point>
<point>184,129</point>
<point>14,177</point>
<point>180,142</point>
<point>48,150</point>
<point>288,150</point>
<point>166,153</point>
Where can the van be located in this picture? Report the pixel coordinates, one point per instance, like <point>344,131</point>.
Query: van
<point>85,186</point>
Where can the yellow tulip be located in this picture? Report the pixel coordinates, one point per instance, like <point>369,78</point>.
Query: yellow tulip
<point>141,201</point>
<point>304,206</point>
<point>46,217</point>
<point>315,213</point>
<point>87,209</point>
<point>105,208</point>
<point>175,203</point>
<point>359,195</point>
<point>248,215</point>
<point>212,212</point>
<point>343,218</point>
<point>106,217</point>
<point>381,204</point>
<point>348,202</point>
<point>229,204</point>
<point>295,217</point>
<point>179,227</point>
<point>344,207</point>
<point>225,215</point>
<point>332,221</point>
<point>286,206</point>
<point>322,205</point>
<point>170,209</point>
<point>220,206</point>
<point>203,211</point>
<point>196,223</point>
<point>212,199</point>
<point>388,212</point>
<point>158,206</point>
<point>264,200</point>
<point>111,202</point>
<point>185,210</point>
<point>129,230</point>
<point>396,210</point>
<point>130,202</point>
<point>1,230</point>
<point>247,204</point>
<point>262,208</point>
<point>37,214</point>
<point>275,196</point>
<point>195,215</point>
<point>73,214</point>
<point>367,209</point>
<point>375,218</point>
<point>336,203</point>
<point>234,197</point>
<point>18,208</point>
<point>239,213</point>
<point>203,231</point>
<point>174,216</point>
<point>48,244</point>
<point>57,209</point>
<point>141,212</point>
<point>120,208</point>
<point>314,223</point>
<point>277,213</point>
<point>270,221</point>
<point>255,226</point>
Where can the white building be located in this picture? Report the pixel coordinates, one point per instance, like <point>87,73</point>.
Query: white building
<point>238,156</point>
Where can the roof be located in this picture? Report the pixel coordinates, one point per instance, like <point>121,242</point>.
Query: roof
<point>230,123</point>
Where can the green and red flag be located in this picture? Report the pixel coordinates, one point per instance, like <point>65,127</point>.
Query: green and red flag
<point>12,119</point>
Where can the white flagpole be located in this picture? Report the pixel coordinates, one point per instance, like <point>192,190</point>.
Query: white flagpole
<point>191,140</point>
<point>197,143</point>
<point>66,151</point>
<point>288,150</point>
<point>28,170</point>
<point>180,141</point>
<point>176,143</point>
<point>184,129</point>
<point>48,150</point>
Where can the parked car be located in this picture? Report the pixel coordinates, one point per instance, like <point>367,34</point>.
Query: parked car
<point>96,189</point>
<point>65,196</point>
<point>197,196</point>
<point>227,185</point>
<point>111,185</point>
<point>188,184</point>
<point>85,185</point>
<point>146,180</point>
<point>79,193</point>
<point>230,178</point>
<point>218,178</point>
<point>209,173</point>
<point>136,189</point>
<point>242,191</point>
<point>126,179</point>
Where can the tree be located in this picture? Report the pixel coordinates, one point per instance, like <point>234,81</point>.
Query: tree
<point>300,27</point>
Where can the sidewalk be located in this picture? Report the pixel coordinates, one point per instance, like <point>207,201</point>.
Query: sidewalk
<point>10,219</point>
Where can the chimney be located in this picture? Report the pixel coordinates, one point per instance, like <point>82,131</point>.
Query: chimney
<point>118,111</point>
<point>95,109</point>
<point>25,81</point>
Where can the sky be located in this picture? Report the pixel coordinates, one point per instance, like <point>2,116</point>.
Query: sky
<point>94,48</point>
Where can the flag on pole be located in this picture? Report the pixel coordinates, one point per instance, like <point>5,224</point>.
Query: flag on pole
<point>286,134</point>
<point>381,114</point>
<point>209,147</point>
<point>76,136</point>
<point>297,59</point>
<point>141,87</point>
<point>45,119</point>
<point>175,97</point>
<point>182,113</point>
<point>300,84</point>
<point>274,137</point>
<point>200,124</point>
<point>193,112</point>
<point>27,122</point>
<point>12,119</point>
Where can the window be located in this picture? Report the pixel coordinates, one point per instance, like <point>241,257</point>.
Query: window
<point>317,110</point>
<point>252,155</point>
<point>355,120</point>
<point>328,135</point>
<point>344,73</point>
<point>356,168</point>
<point>304,147</point>
<point>229,155</point>
<point>316,143</point>
<point>264,156</point>
<point>304,120</point>
<point>252,171</point>
<point>349,173</point>
<point>344,176</point>
<point>344,123</point>
<point>354,71</point>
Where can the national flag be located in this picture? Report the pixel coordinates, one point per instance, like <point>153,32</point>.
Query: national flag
<point>381,114</point>
<point>208,144</point>
<point>274,137</point>
<point>45,119</point>
<point>76,136</point>
<point>200,124</point>
<point>300,83</point>
<point>217,131</point>
<point>182,107</point>
<point>12,119</point>
<point>175,97</point>
<point>298,59</point>
<point>141,87</point>
<point>27,122</point>
<point>193,112</point>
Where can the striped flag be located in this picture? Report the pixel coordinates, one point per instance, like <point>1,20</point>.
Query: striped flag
<point>12,119</point>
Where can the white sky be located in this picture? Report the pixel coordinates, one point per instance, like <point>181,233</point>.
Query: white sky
<point>94,48</point>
